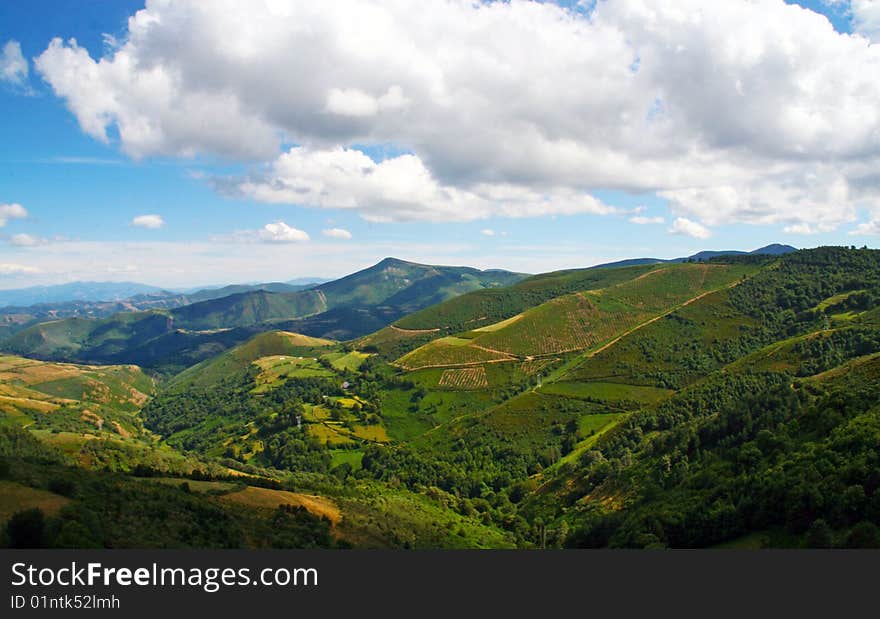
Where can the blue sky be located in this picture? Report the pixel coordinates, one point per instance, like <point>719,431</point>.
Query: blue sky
<point>82,194</point>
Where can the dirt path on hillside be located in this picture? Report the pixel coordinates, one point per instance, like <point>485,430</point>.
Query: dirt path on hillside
<point>413,331</point>
<point>647,322</point>
<point>558,373</point>
<point>577,360</point>
<point>495,351</point>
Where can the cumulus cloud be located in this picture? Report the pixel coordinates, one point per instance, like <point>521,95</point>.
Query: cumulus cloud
<point>11,211</point>
<point>280,232</point>
<point>799,229</point>
<point>13,66</point>
<point>866,18</point>
<point>151,222</point>
<point>487,232</point>
<point>644,221</point>
<point>354,102</point>
<point>690,228</point>
<point>400,188</point>
<point>741,102</point>
<point>869,228</point>
<point>26,240</point>
<point>336,233</point>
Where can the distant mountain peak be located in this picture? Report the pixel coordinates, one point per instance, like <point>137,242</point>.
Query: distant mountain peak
<point>391,261</point>
<point>774,249</point>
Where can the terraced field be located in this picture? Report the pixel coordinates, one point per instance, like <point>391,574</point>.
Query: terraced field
<point>451,351</point>
<point>465,378</point>
<point>577,321</point>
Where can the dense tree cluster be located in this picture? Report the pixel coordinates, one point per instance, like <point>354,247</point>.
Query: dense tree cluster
<point>741,454</point>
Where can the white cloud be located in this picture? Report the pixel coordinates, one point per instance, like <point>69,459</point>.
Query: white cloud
<point>336,233</point>
<point>16,269</point>
<point>871,228</point>
<point>13,66</point>
<point>397,189</point>
<point>11,211</point>
<point>643,221</point>
<point>689,228</point>
<point>152,222</point>
<point>280,232</point>
<point>487,232</point>
<point>742,101</point>
<point>866,18</point>
<point>799,229</point>
<point>354,102</point>
<point>26,240</point>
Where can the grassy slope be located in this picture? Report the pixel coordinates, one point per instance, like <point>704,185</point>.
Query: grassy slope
<point>170,340</point>
<point>94,399</point>
<point>237,360</point>
<point>582,320</point>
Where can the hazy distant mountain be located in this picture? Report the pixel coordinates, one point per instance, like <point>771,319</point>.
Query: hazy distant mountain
<point>345,308</point>
<point>16,317</point>
<point>307,281</point>
<point>75,291</point>
<point>775,249</point>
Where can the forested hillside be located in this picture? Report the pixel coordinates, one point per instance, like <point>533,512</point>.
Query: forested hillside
<point>174,339</point>
<point>730,402</point>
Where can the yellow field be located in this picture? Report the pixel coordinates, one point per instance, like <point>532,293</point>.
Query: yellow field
<point>15,498</point>
<point>271,499</point>
<point>329,434</point>
<point>372,433</point>
<point>498,325</point>
<point>15,406</point>
<point>298,339</point>
<point>67,382</point>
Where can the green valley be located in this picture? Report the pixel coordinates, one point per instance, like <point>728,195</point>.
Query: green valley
<point>723,402</point>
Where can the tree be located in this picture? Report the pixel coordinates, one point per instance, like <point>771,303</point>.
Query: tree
<point>819,535</point>
<point>25,529</point>
<point>864,535</point>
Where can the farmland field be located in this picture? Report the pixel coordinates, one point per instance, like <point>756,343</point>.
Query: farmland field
<point>608,392</point>
<point>450,351</point>
<point>576,321</point>
<point>351,361</point>
<point>15,497</point>
<point>270,499</point>
<point>465,378</point>
<point>277,368</point>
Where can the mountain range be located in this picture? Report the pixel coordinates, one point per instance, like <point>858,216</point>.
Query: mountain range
<point>774,249</point>
<point>173,338</point>
<point>717,401</point>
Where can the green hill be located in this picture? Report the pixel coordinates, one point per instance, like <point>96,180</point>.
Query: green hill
<point>486,307</point>
<point>72,404</point>
<point>730,402</point>
<point>247,309</point>
<point>170,340</point>
<point>697,428</point>
<point>581,320</point>
<point>236,361</point>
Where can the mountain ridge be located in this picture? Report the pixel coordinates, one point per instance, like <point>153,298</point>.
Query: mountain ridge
<point>774,249</point>
<point>347,307</point>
